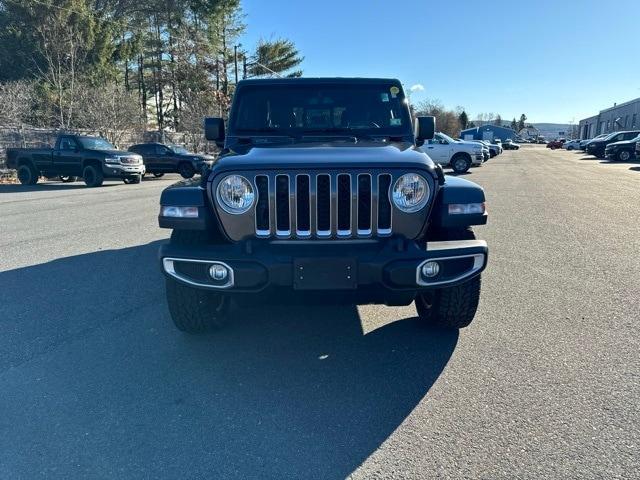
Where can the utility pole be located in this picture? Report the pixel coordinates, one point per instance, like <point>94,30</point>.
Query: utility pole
<point>244,65</point>
<point>235,61</point>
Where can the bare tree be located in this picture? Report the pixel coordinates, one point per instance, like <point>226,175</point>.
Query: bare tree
<point>111,110</point>
<point>16,99</point>
<point>62,47</point>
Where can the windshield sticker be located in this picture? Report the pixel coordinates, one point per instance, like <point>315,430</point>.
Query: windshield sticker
<point>384,97</point>
<point>395,122</point>
<point>394,91</point>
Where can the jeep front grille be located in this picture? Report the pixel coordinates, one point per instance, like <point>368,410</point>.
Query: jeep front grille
<point>322,205</point>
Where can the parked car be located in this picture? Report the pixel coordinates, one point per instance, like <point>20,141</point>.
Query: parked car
<point>584,143</point>
<point>637,149</point>
<point>448,152</point>
<point>554,144</point>
<point>510,145</point>
<point>571,145</point>
<point>622,151</point>
<point>92,158</point>
<point>160,159</point>
<point>333,214</point>
<point>597,147</point>
<point>493,148</point>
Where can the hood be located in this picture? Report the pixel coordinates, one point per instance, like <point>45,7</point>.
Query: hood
<point>309,156</point>
<point>622,142</point>
<point>118,153</point>
<point>193,156</point>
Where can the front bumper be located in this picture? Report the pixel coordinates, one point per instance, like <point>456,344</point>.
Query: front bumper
<point>477,158</point>
<point>375,270</point>
<point>123,171</point>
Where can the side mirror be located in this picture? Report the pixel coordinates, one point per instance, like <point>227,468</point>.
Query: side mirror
<point>214,129</point>
<point>425,128</point>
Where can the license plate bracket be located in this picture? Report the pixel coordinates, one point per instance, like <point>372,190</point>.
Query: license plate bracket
<point>322,273</point>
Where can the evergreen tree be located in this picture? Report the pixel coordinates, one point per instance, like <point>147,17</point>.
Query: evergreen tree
<point>514,125</point>
<point>463,118</point>
<point>521,124</point>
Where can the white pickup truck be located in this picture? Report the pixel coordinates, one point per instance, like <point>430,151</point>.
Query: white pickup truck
<point>458,155</point>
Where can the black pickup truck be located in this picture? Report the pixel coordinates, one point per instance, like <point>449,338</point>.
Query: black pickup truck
<point>322,194</point>
<point>160,159</point>
<point>92,158</point>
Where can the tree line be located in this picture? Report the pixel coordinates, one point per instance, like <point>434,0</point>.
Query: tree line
<point>124,64</point>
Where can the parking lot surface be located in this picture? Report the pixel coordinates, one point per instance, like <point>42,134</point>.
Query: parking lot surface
<point>95,381</point>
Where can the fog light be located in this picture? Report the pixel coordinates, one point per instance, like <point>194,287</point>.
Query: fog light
<point>218,272</point>
<point>430,269</point>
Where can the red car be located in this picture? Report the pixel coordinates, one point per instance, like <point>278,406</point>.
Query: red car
<point>555,144</point>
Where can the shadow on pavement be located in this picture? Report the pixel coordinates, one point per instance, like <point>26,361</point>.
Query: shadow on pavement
<point>636,169</point>
<point>97,381</point>
<point>46,186</point>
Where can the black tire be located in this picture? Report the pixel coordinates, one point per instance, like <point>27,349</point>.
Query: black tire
<point>27,174</point>
<point>570,148</point>
<point>68,178</point>
<point>624,156</point>
<point>158,175</point>
<point>186,169</point>
<point>92,175</point>
<point>131,180</point>
<point>193,310</point>
<point>451,307</point>
<point>460,163</point>
<point>196,311</point>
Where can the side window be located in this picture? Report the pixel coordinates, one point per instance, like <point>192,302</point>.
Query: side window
<point>160,149</point>
<point>67,143</point>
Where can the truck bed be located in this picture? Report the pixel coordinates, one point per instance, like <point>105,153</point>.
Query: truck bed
<point>15,154</point>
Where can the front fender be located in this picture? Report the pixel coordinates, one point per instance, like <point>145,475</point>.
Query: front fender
<point>458,191</point>
<point>188,193</point>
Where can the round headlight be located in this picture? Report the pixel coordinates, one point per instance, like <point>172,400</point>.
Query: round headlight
<point>410,193</point>
<point>235,194</point>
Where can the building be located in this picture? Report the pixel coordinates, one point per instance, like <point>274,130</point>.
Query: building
<point>625,116</point>
<point>488,132</point>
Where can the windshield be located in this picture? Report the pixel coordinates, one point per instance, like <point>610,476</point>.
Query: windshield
<point>179,150</point>
<point>348,108</point>
<point>448,138</point>
<point>95,143</point>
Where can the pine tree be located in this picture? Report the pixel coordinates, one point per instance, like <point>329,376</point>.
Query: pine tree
<point>514,125</point>
<point>463,118</point>
<point>521,124</point>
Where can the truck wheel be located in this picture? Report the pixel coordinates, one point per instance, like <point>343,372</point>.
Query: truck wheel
<point>68,178</point>
<point>27,175</point>
<point>451,307</point>
<point>460,163</point>
<point>186,170</point>
<point>158,175</point>
<point>194,310</point>
<point>92,176</point>
<point>129,180</point>
<point>623,156</point>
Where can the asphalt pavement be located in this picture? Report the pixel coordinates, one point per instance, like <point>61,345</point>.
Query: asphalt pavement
<point>95,382</point>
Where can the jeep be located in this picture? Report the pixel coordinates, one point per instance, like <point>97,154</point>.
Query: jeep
<point>321,193</point>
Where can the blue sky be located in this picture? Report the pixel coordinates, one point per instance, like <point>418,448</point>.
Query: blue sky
<point>555,61</point>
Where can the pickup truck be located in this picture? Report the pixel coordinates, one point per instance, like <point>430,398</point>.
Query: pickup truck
<point>92,158</point>
<point>321,194</point>
<point>160,159</point>
<point>459,155</point>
